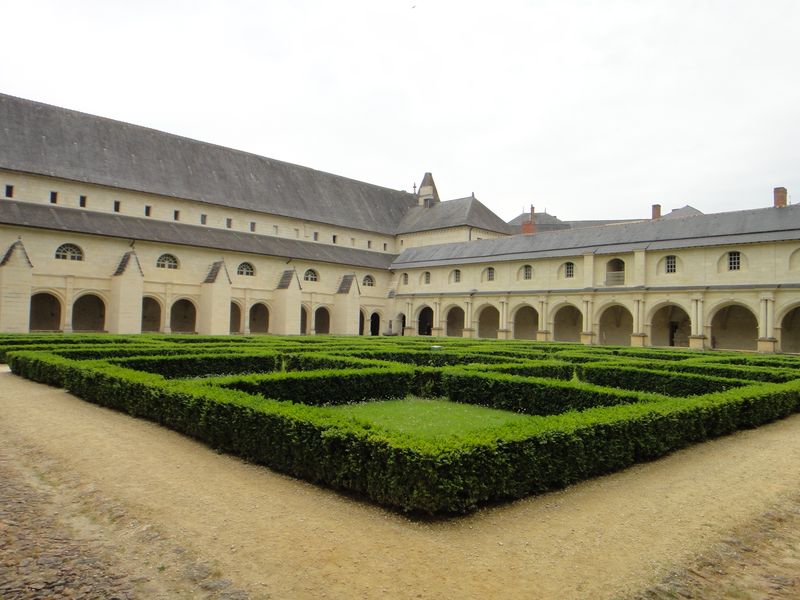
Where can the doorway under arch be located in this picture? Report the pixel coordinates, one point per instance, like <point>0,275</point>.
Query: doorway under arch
<point>616,326</point>
<point>790,331</point>
<point>236,318</point>
<point>375,324</point>
<point>303,320</point>
<point>322,321</point>
<point>182,316</point>
<point>670,326</point>
<point>151,315</point>
<point>259,318</point>
<point>361,322</point>
<point>526,323</point>
<point>489,323</point>
<point>45,313</point>
<point>734,327</point>
<point>455,322</point>
<point>89,314</point>
<point>401,319</point>
<point>567,324</point>
<point>425,321</point>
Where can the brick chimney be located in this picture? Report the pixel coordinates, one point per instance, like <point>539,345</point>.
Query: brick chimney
<point>779,194</point>
<point>529,226</point>
<point>656,211</point>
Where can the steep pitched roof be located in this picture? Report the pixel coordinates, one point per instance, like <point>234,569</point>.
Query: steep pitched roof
<point>452,213</point>
<point>17,246</point>
<point>41,216</point>
<point>125,262</point>
<point>47,140</point>
<point>740,227</point>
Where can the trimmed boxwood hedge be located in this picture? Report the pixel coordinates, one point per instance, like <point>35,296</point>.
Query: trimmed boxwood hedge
<point>445,475</point>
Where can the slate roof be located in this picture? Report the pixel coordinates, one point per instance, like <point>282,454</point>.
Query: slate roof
<point>47,140</point>
<point>17,246</point>
<point>41,216</point>
<point>452,213</point>
<point>125,261</point>
<point>740,227</point>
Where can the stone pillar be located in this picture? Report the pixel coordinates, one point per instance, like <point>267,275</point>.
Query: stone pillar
<point>698,339</point>
<point>124,313</point>
<point>766,324</point>
<point>69,292</point>
<point>246,312</point>
<point>410,329</point>
<point>168,308</point>
<point>638,337</point>
<point>346,309</point>
<point>469,326</point>
<point>587,335</point>
<point>437,330</point>
<point>543,333</point>
<point>215,302</point>
<point>284,319</point>
<point>504,331</point>
<point>16,276</point>
<point>588,271</point>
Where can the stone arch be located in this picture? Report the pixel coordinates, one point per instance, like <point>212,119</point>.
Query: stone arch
<point>375,324</point>
<point>303,320</point>
<point>45,312</point>
<point>89,313</point>
<point>401,320</point>
<point>322,321</point>
<point>615,326</point>
<point>259,318</point>
<point>183,316</point>
<point>454,322</point>
<point>526,322</point>
<point>723,262</point>
<point>734,326</point>
<point>488,322</point>
<point>794,260</point>
<point>567,323</point>
<point>151,315</point>
<point>670,325</point>
<point>236,318</point>
<point>790,330</point>
<point>425,321</point>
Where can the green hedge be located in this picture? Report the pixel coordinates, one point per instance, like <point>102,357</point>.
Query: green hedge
<point>202,365</point>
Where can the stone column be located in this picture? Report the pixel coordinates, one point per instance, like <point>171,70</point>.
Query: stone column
<point>638,337</point>
<point>504,332</point>
<point>698,339</point>
<point>766,324</point>
<point>69,292</point>
<point>587,335</point>
<point>543,333</point>
<point>469,328</point>
<point>168,308</point>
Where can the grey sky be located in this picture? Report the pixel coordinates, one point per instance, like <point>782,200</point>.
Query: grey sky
<point>588,109</point>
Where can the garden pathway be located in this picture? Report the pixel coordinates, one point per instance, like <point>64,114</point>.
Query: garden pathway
<point>162,516</point>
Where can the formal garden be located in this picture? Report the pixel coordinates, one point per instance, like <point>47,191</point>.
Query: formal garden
<point>420,424</point>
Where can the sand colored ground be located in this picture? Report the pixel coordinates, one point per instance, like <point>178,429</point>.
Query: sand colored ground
<point>181,518</point>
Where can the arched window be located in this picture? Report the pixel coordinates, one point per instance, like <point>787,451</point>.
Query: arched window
<point>405,279</point>
<point>369,281</point>
<point>489,273</point>
<point>671,264</point>
<point>426,277</point>
<point>167,261</point>
<point>69,252</point>
<point>456,276</point>
<point>527,272</point>
<point>247,269</point>
<point>569,270</point>
<point>311,275</point>
<point>734,260</point>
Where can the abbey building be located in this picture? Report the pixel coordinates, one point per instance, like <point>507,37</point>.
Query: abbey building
<point>107,226</point>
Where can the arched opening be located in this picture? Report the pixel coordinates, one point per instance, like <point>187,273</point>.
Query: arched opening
<point>375,324</point>
<point>616,326</point>
<point>670,326</point>
<point>45,313</point>
<point>151,315</point>
<point>259,318</point>
<point>526,323</point>
<point>455,322</point>
<point>401,319</point>
<point>615,272</point>
<point>790,331</point>
<point>322,321</point>
<point>734,327</point>
<point>489,323</point>
<point>360,322</point>
<point>182,317</point>
<point>89,314</point>
<point>303,321</point>
<point>236,318</point>
<point>567,324</point>
<point>425,321</point>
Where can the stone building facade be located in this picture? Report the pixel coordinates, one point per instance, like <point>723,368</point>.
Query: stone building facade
<point>107,226</point>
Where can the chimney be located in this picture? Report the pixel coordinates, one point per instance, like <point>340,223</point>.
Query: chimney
<point>529,226</point>
<point>779,194</point>
<point>656,211</point>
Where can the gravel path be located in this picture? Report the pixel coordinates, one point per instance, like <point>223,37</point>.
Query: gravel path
<point>123,508</point>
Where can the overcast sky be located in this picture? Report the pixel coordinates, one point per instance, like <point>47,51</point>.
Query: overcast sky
<point>588,109</point>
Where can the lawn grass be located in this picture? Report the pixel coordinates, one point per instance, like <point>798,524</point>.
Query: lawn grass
<point>428,419</point>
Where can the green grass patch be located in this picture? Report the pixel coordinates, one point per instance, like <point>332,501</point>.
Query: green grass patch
<point>428,419</point>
